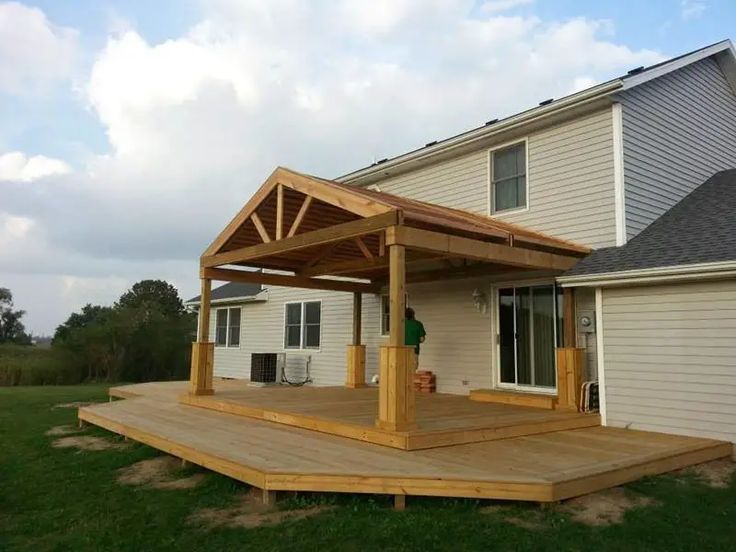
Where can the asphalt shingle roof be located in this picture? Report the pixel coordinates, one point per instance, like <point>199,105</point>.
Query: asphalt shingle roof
<point>701,228</point>
<point>231,290</point>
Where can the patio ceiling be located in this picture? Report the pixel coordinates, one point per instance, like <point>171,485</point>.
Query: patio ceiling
<point>316,228</point>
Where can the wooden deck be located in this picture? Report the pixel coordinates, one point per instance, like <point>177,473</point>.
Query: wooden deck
<point>273,456</point>
<point>442,419</point>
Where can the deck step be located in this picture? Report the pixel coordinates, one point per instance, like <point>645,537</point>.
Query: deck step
<point>537,400</point>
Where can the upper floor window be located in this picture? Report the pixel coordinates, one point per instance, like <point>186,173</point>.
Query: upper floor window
<point>386,312</point>
<point>303,325</point>
<point>508,178</point>
<point>227,327</point>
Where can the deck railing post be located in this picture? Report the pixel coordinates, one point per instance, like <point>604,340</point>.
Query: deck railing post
<point>396,399</point>
<point>203,351</point>
<point>356,350</point>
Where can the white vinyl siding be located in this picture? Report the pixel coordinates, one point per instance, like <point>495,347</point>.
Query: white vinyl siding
<point>670,358</point>
<point>679,130</point>
<point>570,182</point>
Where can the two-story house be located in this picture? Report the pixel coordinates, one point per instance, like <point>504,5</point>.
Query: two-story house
<point>598,168</point>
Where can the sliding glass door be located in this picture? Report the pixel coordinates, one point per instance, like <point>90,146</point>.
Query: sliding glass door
<point>529,329</point>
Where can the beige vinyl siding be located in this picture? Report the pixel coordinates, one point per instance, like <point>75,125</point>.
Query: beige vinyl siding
<point>570,176</point>
<point>670,358</point>
<point>570,172</point>
<point>585,302</point>
<point>460,183</point>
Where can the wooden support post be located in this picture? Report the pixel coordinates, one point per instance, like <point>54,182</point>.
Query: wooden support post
<point>399,502</point>
<point>396,400</point>
<point>279,212</point>
<point>569,326</point>
<point>203,351</point>
<point>570,362</point>
<point>269,497</point>
<point>356,350</point>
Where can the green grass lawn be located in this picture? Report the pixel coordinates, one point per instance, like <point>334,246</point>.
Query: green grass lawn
<point>65,499</point>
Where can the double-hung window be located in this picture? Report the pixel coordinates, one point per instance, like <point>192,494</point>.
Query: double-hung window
<point>227,327</point>
<point>386,312</point>
<point>303,325</point>
<point>508,178</point>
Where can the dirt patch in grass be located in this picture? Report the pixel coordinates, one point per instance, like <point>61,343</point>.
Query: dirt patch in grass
<point>248,512</point>
<point>86,442</point>
<point>604,507</point>
<point>75,404</point>
<point>531,520</point>
<point>717,474</point>
<point>59,431</point>
<point>158,473</point>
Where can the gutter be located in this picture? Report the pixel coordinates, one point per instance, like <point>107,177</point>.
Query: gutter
<point>261,296</point>
<point>699,271</point>
<point>473,136</point>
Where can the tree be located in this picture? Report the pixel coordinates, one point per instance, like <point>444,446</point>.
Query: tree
<point>153,294</point>
<point>11,328</point>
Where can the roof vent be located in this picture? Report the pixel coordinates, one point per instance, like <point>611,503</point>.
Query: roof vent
<point>547,102</point>
<point>492,121</point>
<point>636,70</point>
<point>430,143</point>
<point>381,160</point>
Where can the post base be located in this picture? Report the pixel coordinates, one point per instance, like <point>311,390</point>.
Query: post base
<point>396,396</point>
<point>356,366</point>
<point>203,357</point>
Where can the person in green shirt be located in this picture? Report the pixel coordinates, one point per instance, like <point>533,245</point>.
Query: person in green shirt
<point>414,333</point>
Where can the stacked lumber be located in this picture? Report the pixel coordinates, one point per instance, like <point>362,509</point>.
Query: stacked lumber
<point>424,381</point>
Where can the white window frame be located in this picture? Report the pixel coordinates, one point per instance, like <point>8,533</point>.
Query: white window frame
<point>385,332</point>
<point>302,326</point>
<point>227,344</point>
<point>490,152</point>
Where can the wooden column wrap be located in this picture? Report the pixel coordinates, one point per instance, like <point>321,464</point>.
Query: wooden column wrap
<point>356,366</point>
<point>570,363</point>
<point>396,397</point>
<point>203,356</point>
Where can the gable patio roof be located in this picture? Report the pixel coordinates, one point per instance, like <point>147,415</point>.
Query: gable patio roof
<point>316,227</point>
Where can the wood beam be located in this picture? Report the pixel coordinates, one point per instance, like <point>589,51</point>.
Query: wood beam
<point>415,238</point>
<point>253,277</point>
<point>344,267</point>
<point>363,248</point>
<point>299,216</point>
<point>457,272</point>
<point>323,253</point>
<point>261,229</point>
<point>279,212</point>
<point>337,232</point>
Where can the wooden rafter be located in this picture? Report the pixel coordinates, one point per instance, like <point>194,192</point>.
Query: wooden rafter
<point>255,277</point>
<point>261,229</point>
<point>363,248</point>
<point>300,216</point>
<point>323,236</point>
<point>279,212</point>
<point>323,253</point>
<point>345,267</point>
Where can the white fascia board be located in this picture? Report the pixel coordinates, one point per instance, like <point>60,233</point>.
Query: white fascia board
<point>667,67</point>
<point>647,275</point>
<point>483,133</point>
<point>261,296</point>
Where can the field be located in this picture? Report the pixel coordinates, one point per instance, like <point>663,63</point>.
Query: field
<point>97,492</point>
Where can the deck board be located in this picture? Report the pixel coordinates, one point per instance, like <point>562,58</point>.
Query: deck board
<point>546,467</point>
<point>442,419</point>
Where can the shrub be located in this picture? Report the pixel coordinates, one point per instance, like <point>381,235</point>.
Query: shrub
<point>27,365</point>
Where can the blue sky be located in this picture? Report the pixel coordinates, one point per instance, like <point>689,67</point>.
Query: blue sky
<point>119,121</point>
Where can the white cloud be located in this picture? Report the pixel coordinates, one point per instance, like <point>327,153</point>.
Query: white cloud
<point>33,51</point>
<point>15,165</point>
<point>197,122</point>
<point>494,6</point>
<point>692,9</point>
